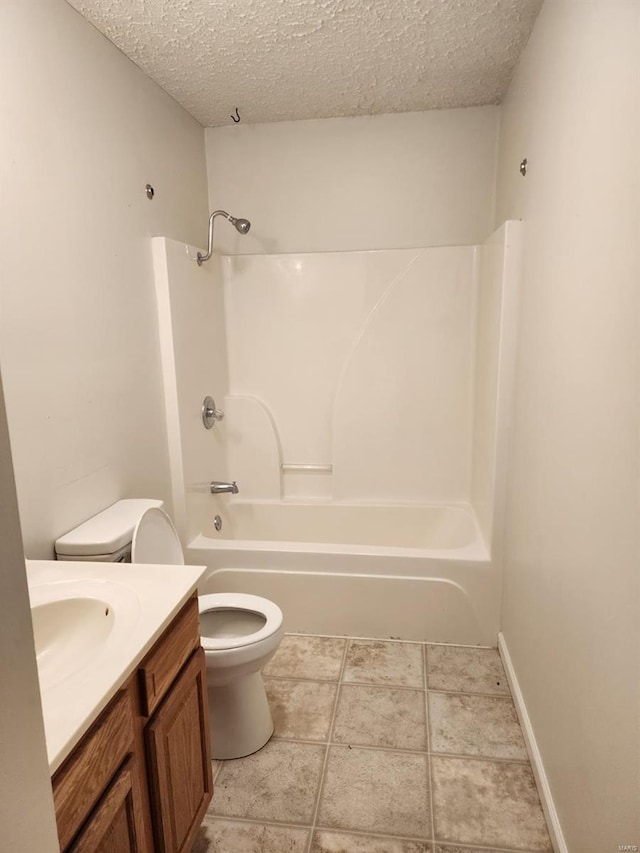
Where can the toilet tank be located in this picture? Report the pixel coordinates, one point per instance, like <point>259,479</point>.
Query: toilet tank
<point>106,537</point>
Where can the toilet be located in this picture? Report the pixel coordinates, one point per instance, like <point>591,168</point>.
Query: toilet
<point>239,633</point>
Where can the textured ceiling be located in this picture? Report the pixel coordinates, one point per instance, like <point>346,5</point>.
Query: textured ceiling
<point>279,60</point>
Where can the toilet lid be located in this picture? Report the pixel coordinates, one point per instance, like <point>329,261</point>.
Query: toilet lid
<point>225,601</point>
<point>155,540</point>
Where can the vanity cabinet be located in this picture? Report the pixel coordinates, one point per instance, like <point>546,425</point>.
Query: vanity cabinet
<point>140,779</point>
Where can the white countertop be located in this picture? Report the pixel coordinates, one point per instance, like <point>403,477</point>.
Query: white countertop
<point>154,595</point>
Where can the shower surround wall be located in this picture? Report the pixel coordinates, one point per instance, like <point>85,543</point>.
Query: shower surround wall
<point>354,371</point>
<point>194,364</point>
<point>374,377</point>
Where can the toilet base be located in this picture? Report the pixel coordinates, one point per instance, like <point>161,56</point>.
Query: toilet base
<point>239,717</point>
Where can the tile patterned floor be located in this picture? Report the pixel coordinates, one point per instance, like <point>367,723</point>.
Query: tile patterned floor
<point>381,747</point>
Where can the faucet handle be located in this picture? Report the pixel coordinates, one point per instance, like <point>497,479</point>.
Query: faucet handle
<point>209,412</point>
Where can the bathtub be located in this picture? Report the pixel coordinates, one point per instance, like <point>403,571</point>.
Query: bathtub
<point>409,572</point>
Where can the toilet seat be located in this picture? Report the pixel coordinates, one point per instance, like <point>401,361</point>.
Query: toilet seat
<point>240,601</point>
<point>155,540</point>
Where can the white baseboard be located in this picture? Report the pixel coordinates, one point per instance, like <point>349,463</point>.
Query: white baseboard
<point>546,800</point>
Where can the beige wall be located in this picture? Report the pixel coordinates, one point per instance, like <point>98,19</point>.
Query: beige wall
<point>83,132</point>
<point>26,802</point>
<point>374,182</point>
<point>570,613</point>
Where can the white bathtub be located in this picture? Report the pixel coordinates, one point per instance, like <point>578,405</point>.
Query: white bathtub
<point>406,572</point>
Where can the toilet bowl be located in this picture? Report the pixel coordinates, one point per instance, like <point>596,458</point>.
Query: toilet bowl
<point>239,633</point>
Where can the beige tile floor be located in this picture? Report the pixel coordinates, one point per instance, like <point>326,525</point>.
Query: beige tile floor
<point>380,747</point>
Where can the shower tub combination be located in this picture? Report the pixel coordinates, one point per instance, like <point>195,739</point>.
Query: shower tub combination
<point>402,572</point>
<point>431,332</point>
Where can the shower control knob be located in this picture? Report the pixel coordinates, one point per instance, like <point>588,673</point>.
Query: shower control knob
<point>209,412</point>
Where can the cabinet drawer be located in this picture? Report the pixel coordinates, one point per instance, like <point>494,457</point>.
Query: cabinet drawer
<point>79,783</point>
<point>158,670</point>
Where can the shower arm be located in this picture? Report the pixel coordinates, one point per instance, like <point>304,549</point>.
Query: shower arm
<point>200,257</point>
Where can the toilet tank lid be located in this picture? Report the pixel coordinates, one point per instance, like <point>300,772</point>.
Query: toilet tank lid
<point>106,532</point>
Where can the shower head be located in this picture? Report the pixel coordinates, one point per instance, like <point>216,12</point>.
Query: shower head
<point>242,226</point>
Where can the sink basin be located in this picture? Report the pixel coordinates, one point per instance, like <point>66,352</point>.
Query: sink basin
<point>75,622</point>
<point>67,633</point>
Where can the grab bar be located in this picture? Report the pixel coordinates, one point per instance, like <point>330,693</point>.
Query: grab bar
<point>311,469</point>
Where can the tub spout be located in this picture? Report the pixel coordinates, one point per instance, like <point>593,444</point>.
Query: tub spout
<point>218,488</point>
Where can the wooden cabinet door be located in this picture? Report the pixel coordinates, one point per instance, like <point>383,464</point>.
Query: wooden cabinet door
<point>179,760</point>
<point>113,826</point>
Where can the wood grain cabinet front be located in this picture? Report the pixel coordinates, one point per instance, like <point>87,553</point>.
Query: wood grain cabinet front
<point>179,760</point>
<point>82,780</point>
<point>140,779</point>
<point>160,667</point>
<point>114,826</point>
